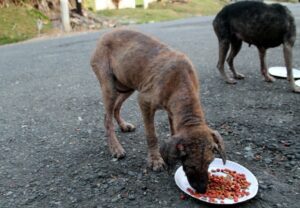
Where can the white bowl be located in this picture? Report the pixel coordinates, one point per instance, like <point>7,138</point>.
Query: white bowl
<point>183,184</point>
<point>280,71</point>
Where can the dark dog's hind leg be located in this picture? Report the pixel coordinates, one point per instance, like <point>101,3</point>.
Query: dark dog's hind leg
<point>263,66</point>
<point>223,49</point>
<point>235,45</point>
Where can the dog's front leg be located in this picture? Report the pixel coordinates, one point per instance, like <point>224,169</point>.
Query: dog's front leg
<point>155,160</point>
<point>263,66</point>
<point>288,57</point>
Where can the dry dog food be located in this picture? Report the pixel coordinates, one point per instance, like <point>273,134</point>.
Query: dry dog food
<point>224,184</point>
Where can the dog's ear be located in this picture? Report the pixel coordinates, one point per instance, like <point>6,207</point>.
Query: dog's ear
<point>172,150</point>
<point>219,145</point>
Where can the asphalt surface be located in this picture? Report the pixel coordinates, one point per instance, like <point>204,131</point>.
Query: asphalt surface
<point>53,150</point>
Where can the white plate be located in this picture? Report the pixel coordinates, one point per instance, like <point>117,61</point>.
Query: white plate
<point>183,184</point>
<point>280,71</point>
<point>298,83</point>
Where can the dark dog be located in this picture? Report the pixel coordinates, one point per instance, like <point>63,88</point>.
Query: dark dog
<point>262,25</point>
<point>125,61</point>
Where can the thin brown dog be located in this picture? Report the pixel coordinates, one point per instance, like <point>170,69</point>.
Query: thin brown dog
<point>125,61</point>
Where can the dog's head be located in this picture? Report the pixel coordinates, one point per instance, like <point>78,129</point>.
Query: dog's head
<point>195,152</point>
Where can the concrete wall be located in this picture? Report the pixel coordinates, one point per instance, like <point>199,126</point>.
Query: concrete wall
<point>108,4</point>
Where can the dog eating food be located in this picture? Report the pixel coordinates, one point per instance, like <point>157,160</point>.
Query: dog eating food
<point>232,186</point>
<point>126,61</point>
<point>259,24</point>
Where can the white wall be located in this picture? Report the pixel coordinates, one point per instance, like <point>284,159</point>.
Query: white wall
<point>108,4</point>
<point>147,2</point>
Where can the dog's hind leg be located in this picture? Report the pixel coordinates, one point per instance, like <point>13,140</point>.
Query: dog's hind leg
<point>101,67</point>
<point>235,47</point>
<point>223,49</point>
<point>288,56</point>
<point>155,160</point>
<point>263,66</point>
<point>124,126</point>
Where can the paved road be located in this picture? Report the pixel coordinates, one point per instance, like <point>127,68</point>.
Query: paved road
<point>52,144</point>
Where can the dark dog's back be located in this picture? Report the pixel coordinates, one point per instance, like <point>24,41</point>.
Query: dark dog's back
<point>256,23</point>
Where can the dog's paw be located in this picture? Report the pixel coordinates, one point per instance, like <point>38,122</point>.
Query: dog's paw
<point>117,151</point>
<point>156,164</point>
<point>127,127</point>
<point>230,81</point>
<point>239,76</point>
<point>269,78</point>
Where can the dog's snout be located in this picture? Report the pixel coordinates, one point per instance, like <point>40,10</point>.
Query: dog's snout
<point>200,188</point>
<point>198,180</point>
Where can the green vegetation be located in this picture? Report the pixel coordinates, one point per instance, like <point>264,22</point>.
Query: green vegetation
<point>19,23</point>
<point>89,4</point>
<point>139,3</point>
<point>164,10</point>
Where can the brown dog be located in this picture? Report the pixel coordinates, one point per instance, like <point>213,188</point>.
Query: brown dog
<point>125,61</point>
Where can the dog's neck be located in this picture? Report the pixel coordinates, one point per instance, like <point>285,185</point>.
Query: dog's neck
<point>186,112</point>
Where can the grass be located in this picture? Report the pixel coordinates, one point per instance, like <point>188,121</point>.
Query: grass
<point>89,4</point>
<point>19,23</point>
<point>162,11</point>
<point>139,3</point>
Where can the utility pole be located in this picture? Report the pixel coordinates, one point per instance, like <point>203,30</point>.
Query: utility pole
<point>65,16</point>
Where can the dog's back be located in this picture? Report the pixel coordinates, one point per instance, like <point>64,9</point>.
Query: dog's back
<point>141,62</point>
<point>256,23</point>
